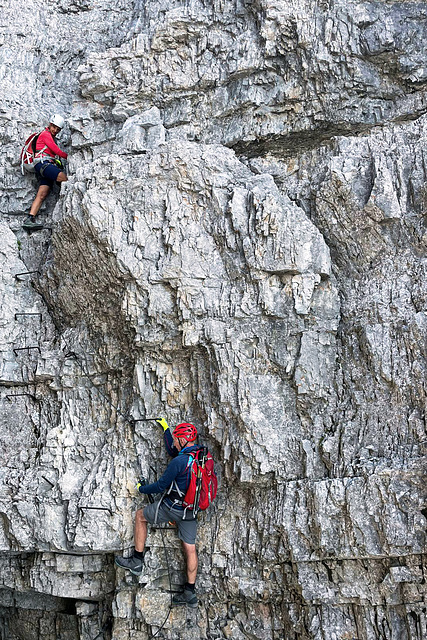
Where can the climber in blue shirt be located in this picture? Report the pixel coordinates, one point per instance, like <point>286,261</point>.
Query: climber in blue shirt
<point>173,484</point>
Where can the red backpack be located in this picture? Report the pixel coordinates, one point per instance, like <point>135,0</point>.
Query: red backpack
<point>203,482</point>
<point>28,152</point>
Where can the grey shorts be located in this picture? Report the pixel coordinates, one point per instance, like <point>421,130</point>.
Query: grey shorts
<point>187,529</point>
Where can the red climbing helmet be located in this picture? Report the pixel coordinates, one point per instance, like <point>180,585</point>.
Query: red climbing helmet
<point>185,430</point>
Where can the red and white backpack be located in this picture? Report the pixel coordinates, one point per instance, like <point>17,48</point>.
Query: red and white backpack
<point>28,153</point>
<point>203,485</point>
<point>203,482</point>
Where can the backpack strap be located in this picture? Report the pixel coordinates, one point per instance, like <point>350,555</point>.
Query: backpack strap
<point>174,485</point>
<point>39,156</point>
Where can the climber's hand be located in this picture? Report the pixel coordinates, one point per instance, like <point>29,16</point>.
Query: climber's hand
<point>163,423</point>
<point>140,484</point>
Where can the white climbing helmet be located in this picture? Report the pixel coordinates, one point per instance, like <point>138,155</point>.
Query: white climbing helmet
<point>57,120</point>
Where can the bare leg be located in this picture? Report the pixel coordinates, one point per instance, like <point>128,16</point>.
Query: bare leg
<point>61,177</point>
<point>38,201</point>
<point>42,194</point>
<point>190,555</point>
<point>140,531</point>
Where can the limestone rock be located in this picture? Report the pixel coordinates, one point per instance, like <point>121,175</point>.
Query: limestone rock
<point>241,244</point>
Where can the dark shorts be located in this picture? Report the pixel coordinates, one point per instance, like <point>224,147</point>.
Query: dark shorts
<point>187,529</point>
<point>47,173</point>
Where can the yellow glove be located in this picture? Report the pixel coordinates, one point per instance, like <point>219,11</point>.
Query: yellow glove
<point>140,484</point>
<point>163,423</point>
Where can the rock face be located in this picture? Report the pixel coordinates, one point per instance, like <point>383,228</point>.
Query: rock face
<point>241,244</point>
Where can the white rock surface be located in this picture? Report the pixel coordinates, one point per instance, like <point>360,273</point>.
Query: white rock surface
<point>241,244</point>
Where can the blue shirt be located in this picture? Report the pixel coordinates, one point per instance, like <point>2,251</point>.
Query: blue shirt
<point>178,469</point>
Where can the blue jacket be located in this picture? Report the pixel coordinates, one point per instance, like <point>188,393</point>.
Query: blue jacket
<point>178,470</point>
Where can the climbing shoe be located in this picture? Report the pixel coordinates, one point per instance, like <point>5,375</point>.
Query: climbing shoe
<point>132,564</point>
<point>186,596</point>
<point>31,225</point>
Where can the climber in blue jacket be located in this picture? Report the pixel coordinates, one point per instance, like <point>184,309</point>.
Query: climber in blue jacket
<point>173,484</point>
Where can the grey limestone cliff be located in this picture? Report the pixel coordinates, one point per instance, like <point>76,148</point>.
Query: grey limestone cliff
<point>241,244</point>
